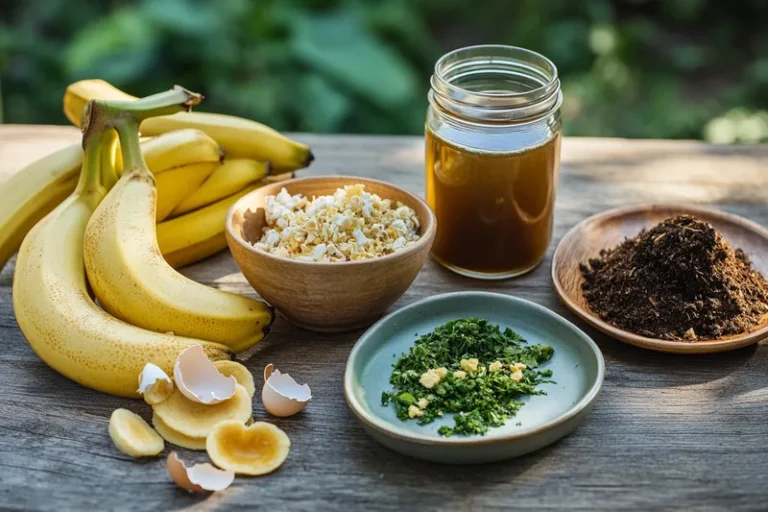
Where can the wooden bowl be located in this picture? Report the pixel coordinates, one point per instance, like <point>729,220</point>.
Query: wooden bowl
<point>326,297</point>
<point>608,229</point>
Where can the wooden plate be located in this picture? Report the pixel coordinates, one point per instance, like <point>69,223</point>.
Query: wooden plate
<point>607,229</point>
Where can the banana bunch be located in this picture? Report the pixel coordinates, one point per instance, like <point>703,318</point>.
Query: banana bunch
<point>103,239</point>
<point>202,164</point>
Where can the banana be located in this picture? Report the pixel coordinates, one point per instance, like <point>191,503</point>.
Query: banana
<point>30,194</point>
<point>174,185</point>
<point>197,234</point>
<point>78,94</point>
<point>176,149</point>
<point>238,137</point>
<point>134,283</point>
<point>62,324</point>
<point>196,252</point>
<point>232,176</point>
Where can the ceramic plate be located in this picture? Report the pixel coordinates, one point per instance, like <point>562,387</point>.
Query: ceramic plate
<point>609,228</point>
<point>577,364</point>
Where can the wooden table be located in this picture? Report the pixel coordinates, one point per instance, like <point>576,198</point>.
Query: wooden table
<point>668,431</point>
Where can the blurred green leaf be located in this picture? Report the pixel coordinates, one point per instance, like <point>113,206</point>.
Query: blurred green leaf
<point>321,107</point>
<point>125,30</point>
<point>337,46</point>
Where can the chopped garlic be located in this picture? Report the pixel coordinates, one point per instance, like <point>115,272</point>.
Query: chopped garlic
<point>469,365</point>
<point>357,224</point>
<point>415,412</point>
<point>429,379</point>
<point>514,367</point>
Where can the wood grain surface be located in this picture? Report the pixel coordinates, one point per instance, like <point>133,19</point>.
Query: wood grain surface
<point>668,431</point>
<point>608,229</point>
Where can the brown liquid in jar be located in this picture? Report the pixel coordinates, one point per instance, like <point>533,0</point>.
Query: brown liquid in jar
<point>494,210</point>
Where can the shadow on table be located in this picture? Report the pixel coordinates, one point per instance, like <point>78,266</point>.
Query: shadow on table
<point>464,480</point>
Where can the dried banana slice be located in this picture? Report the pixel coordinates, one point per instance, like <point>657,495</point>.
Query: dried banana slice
<point>132,435</point>
<point>254,450</point>
<point>194,419</point>
<point>239,372</point>
<point>177,438</point>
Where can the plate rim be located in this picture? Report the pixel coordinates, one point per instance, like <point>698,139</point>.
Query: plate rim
<point>669,346</point>
<point>381,426</point>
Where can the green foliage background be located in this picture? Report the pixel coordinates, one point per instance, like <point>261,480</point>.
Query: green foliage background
<point>634,68</point>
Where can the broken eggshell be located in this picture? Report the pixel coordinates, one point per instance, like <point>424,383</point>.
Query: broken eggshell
<point>282,395</point>
<point>200,477</point>
<point>199,380</point>
<point>154,384</point>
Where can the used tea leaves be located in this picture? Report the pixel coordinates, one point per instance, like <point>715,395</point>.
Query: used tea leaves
<point>473,369</point>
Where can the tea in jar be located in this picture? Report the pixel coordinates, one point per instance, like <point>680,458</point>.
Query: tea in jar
<point>492,155</point>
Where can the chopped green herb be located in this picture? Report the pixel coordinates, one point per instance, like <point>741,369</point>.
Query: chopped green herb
<point>479,399</point>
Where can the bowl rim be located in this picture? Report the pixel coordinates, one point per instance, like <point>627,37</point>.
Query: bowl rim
<point>385,428</point>
<point>732,342</point>
<point>425,239</point>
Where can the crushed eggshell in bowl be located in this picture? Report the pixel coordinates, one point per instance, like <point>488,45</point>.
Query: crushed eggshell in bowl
<point>282,395</point>
<point>154,384</point>
<point>194,419</point>
<point>253,450</point>
<point>199,380</point>
<point>132,435</point>
<point>198,478</point>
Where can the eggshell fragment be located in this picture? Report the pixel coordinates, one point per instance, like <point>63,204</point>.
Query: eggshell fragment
<point>194,419</point>
<point>198,478</point>
<point>199,380</point>
<point>239,372</point>
<point>177,438</point>
<point>154,384</point>
<point>254,450</point>
<point>132,435</point>
<point>283,396</point>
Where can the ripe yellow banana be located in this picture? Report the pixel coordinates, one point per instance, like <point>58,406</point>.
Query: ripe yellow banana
<point>175,185</point>
<point>238,137</point>
<point>132,280</point>
<point>78,94</point>
<point>196,252</point>
<point>30,194</point>
<point>197,234</point>
<point>66,329</point>
<point>232,176</point>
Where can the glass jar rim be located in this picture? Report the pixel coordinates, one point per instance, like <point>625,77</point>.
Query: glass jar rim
<point>541,94</point>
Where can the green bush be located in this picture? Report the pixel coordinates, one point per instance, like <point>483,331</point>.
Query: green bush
<point>630,68</point>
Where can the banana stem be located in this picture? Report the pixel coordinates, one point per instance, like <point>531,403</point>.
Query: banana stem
<point>126,116</point>
<point>90,175</point>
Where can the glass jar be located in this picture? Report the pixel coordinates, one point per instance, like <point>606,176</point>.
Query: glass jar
<point>493,135</point>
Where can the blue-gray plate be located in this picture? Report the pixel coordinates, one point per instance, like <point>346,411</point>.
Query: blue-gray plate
<point>577,364</point>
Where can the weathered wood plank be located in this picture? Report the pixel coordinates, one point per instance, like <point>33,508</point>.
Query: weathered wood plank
<point>668,431</point>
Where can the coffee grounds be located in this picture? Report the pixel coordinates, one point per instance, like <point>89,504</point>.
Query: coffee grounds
<point>676,281</point>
